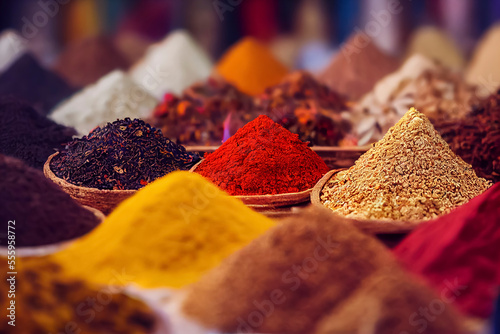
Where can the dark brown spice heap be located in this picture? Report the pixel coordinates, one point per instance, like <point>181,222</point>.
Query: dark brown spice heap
<point>86,61</point>
<point>43,213</point>
<point>46,301</point>
<point>306,271</point>
<point>308,108</point>
<point>197,117</point>
<point>125,154</point>
<point>476,138</point>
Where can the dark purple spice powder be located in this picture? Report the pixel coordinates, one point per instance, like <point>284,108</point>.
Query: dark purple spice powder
<point>28,135</point>
<point>27,80</point>
<point>43,213</point>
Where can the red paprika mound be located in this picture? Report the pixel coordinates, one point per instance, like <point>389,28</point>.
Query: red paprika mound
<point>459,254</point>
<point>263,158</point>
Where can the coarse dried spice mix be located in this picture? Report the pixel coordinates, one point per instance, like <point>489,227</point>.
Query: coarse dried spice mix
<point>125,154</point>
<point>263,158</point>
<point>410,174</point>
<point>476,138</point>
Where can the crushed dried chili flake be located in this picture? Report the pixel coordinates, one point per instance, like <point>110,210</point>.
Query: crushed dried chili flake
<point>197,116</point>
<point>263,158</point>
<point>308,108</point>
<point>125,154</point>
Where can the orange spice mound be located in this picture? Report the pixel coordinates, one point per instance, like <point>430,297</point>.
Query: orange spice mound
<point>250,66</point>
<point>263,158</point>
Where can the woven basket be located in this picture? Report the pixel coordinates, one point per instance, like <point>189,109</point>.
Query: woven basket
<point>103,200</point>
<point>371,226</point>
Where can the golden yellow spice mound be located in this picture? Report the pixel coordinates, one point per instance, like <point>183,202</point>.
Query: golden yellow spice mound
<point>167,235</point>
<point>410,174</point>
<point>46,301</point>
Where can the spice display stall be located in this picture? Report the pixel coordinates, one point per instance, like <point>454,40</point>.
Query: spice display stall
<point>248,197</point>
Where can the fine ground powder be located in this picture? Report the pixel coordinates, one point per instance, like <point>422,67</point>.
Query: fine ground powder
<point>298,273</point>
<point>43,213</point>
<point>166,235</point>
<point>27,134</point>
<point>263,158</point>
<point>410,174</point>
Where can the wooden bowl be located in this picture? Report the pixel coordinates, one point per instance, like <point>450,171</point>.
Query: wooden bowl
<point>262,202</point>
<point>103,200</point>
<point>36,251</point>
<point>372,226</point>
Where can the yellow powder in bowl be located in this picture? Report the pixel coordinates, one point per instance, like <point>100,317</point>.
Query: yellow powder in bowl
<point>251,67</point>
<point>167,235</point>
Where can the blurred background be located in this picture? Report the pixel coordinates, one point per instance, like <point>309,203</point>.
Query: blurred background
<point>302,33</point>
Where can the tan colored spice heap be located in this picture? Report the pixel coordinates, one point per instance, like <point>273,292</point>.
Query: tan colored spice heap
<point>410,174</point>
<point>274,286</point>
<point>357,67</point>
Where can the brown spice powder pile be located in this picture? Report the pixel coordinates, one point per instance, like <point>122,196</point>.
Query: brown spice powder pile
<point>410,174</point>
<point>357,67</point>
<point>274,286</point>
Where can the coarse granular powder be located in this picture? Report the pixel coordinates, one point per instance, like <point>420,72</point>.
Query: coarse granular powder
<point>410,174</point>
<point>43,212</point>
<point>263,158</point>
<point>476,138</point>
<point>303,270</point>
<point>125,154</point>
<point>113,97</point>
<point>29,135</point>
<point>47,301</point>
<point>86,61</point>
<point>26,79</point>
<point>357,67</point>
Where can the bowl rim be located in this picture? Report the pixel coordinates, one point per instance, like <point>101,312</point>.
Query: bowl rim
<point>65,184</point>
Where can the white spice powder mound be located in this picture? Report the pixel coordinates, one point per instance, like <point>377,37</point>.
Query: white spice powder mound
<point>11,47</point>
<point>172,65</point>
<point>411,174</point>
<point>115,96</point>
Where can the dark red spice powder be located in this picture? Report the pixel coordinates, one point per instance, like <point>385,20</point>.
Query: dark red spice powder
<point>459,254</point>
<point>263,158</point>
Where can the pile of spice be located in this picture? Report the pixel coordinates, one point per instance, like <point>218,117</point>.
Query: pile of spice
<point>114,96</point>
<point>29,135</point>
<point>27,80</point>
<point>172,65</point>
<point>275,286</point>
<point>411,174</point>
<point>263,158</point>
<point>357,67</point>
<point>459,254</point>
<point>132,46</point>
<point>86,61</point>
<point>484,69</point>
<point>308,108</point>
<point>476,138</point>
<point>250,66</point>
<point>388,102</point>
<point>46,301</point>
<point>12,46</point>
<point>166,235</point>
<point>43,213</point>
<point>198,115</point>
<point>436,44</point>
<point>125,154</point>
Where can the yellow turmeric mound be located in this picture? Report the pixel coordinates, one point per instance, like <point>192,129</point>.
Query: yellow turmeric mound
<point>167,235</point>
